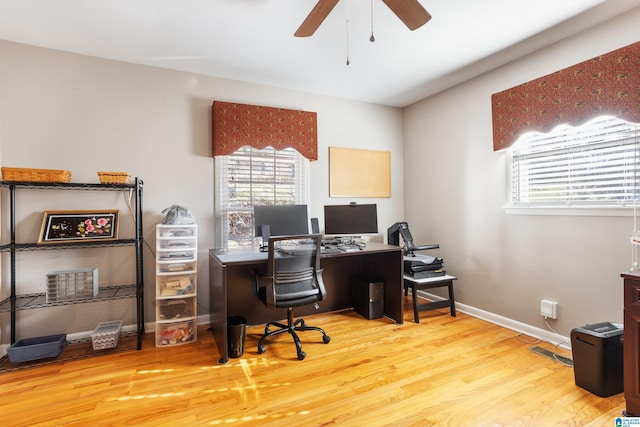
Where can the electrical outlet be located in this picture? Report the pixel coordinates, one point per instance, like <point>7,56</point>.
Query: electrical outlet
<point>549,309</point>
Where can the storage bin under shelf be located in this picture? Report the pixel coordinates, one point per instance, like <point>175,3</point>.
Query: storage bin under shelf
<point>29,349</point>
<point>106,335</point>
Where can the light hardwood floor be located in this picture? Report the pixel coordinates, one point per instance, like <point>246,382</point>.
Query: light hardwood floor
<point>444,371</point>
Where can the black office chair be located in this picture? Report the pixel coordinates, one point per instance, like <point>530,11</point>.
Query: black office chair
<point>294,278</point>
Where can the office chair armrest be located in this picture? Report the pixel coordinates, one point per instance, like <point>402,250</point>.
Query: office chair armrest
<point>320,281</point>
<point>270,291</point>
<point>264,288</point>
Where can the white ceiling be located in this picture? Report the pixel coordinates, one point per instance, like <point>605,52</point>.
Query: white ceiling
<point>252,40</point>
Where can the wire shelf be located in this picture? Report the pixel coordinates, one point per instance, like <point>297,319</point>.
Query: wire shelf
<point>69,185</point>
<point>39,300</point>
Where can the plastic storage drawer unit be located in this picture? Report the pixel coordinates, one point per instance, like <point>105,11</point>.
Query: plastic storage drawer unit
<point>597,358</point>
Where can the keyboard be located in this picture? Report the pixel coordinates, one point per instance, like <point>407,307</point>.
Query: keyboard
<point>329,241</point>
<point>296,249</point>
<point>330,249</point>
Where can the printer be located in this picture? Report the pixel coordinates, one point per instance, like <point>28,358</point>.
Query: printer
<point>416,265</point>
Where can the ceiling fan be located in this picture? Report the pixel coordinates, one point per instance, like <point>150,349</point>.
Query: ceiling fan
<point>409,11</point>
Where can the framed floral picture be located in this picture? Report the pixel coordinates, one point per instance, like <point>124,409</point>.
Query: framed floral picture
<point>78,226</point>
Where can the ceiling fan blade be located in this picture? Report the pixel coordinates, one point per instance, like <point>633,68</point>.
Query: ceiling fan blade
<point>315,17</point>
<point>410,12</point>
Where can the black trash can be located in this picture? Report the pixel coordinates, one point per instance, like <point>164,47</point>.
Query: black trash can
<point>236,327</point>
<point>597,358</point>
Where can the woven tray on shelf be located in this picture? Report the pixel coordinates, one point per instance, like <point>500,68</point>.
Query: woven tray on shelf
<point>113,177</point>
<point>35,175</point>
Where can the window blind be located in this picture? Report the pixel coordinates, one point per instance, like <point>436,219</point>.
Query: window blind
<point>594,164</point>
<point>250,177</point>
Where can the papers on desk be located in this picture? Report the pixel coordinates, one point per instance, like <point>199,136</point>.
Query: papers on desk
<point>330,249</point>
<point>427,274</point>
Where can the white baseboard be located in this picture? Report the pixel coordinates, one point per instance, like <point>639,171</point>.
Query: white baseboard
<point>532,331</point>
<point>514,325</point>
<point>202,319</point>
<point>496,319</point>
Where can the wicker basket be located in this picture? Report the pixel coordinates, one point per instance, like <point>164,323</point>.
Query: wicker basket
<point>35,175</point>
<point>113,177</point>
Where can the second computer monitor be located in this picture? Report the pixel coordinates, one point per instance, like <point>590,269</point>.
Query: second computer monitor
<point>350,220</point>
<point>283,220</point>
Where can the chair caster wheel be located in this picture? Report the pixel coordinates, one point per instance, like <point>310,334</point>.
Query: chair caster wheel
<point>301,355</point>
<point>326,339</point>
<point>261,349</point>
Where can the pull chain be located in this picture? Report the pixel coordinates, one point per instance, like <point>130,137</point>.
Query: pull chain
<point>372,39</point>
<point>347,33</point>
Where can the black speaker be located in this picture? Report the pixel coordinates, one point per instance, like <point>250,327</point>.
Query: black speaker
<point>368,299</point>
<point>266,233</point>
<point>315,227</point>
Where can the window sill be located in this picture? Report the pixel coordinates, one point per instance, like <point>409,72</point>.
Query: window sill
<point>571,211</point>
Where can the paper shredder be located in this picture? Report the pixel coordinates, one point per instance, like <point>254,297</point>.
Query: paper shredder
<point>597,358</point>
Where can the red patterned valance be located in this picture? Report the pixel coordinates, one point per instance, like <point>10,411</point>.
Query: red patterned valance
<point>236,125</point>
<point>607,84</point>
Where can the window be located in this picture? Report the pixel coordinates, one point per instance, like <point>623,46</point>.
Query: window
<point>250,177</point>
<point>596,164</point>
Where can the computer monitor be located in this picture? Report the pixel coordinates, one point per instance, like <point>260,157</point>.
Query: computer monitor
<point>350,220</point>
<point>283,220</point>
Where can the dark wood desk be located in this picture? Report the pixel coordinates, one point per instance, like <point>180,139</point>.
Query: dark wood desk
<point>231,288</point>
<point>631,348</point>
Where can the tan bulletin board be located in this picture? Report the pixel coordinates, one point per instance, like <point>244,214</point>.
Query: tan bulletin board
<point>359,173</point>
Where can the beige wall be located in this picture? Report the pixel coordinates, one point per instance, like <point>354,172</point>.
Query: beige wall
<point>84,114</point>
<point>508,263</point>
<point>66,111</point>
